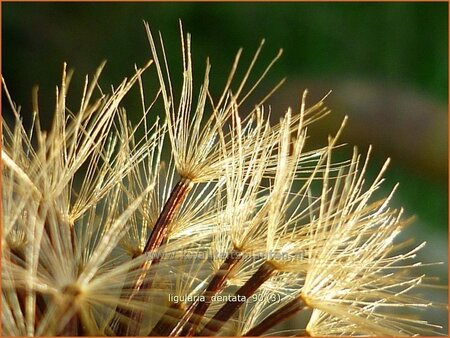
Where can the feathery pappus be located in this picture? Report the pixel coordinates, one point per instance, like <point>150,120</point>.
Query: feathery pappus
<point>212,220</point>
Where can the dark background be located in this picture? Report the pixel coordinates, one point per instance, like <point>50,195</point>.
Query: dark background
<point>386,63</point>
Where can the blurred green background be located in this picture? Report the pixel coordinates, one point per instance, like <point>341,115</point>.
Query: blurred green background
<point>386,63</point>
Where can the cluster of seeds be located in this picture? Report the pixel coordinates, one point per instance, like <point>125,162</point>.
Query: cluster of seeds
<point>210,221</point>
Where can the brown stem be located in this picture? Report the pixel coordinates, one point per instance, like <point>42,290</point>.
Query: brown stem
<point>172,205</point>
<point>186,315</point>
<point>136,316</point>
<point>277,317</point>
<point>157,237</point>
<point>264,272</point>
<point>215,286</point>
<point>161,228</point>
<point>168,320</point>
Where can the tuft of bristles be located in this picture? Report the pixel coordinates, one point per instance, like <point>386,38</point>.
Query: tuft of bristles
<point>214,222</point>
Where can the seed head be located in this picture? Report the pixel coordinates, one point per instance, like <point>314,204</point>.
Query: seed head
<point>214,222</point>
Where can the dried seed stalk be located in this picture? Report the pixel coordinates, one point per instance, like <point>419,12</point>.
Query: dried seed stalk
<point>215,286</point>
<point>264,272</point>
<point>157,237</point>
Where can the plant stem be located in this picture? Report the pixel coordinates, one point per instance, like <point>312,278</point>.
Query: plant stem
<point>157,237</point>
<point>186,315</point>
<point>277,317</point>
<point>168,320</point>
<point>215,286</point>
<point>264,272</point>
<point>172,205</point>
